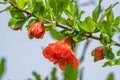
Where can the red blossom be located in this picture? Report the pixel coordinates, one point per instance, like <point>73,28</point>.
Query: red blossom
<point>61,53</point>
<point>98,53</point>
<point>37,30</point>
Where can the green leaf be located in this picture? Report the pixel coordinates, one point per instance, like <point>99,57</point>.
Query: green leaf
<point>105,28</point>
<point>56,35</point>
<point>70,73</point>
<point>79,37</point>
<point>108,10</point>
<point>117,62</point>
<point>108,63</point>
<point>19,24</point>
<point>104,39</point>
<point>2,67</point>
<point>46,78</point>
<point>30,5</point>
<point>110,76</point>
<point>110,15</point>
<point>6,9</point>
<point>36,75</point>
<point>88,25</point>
<point>118,53</point>
<point>80,14</point>
<point>116,23</point>
<point>12,21</point>
<point>15,13</point>
<point>96,12</point>
<point>15,23</point>
<point>58,6</point>
<point>108,54</point>
<point>21,3</point>
<point>53,74</point>
<point>39,9</point>
<point>5,2</point>
<point>72,9</point>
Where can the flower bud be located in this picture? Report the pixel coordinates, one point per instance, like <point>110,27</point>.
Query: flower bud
<point>98,53</point>
<point>36,30</point>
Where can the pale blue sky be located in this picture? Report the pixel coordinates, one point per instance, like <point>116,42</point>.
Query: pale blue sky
<point>24,55</point>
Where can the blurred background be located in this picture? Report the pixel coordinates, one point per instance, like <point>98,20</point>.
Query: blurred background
<point>24,55</point>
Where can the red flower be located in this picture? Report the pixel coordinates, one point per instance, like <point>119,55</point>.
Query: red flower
<point>98,53</point>
<point>61,53</point>
<point>37,30</point>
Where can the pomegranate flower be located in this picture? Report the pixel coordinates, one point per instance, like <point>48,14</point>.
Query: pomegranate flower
<point>37,30</point>
<point>98,53</point>
<point>61,53</point>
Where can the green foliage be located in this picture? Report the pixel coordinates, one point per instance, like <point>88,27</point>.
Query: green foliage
<point>56,35</point>
<point>70,73</point>
<point>15,13</point>
<point>15,23</point>
<point>106,28</point>
<point>57,7</point>
<point>21,3</point>
<point>96,12</point>
<point>53,74</point>
<point>2,67</point>
<point>104,39</point>
<point>117,61</point>
<point>110,77</point>
<point>79,36</point>
<point>118,53</point>
<point>108,54</point>
<point>38,9</point>
<point>36,75</point>
<point>115,24</point>
<point>88,25</point>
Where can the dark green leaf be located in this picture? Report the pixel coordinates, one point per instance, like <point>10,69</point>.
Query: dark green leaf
<point>36,75</point>
<point>118,53</point>
<point>96,12</point>
<point>70,73</point>
<point>39,9</point>
<point>46,78</point>
<point>53,74</point>
<point>16,13</point>
<point>108,54</point>
<point>2,67</point>
<point>88,25</point>
<point>110,76</point>
<point>19,24</point>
